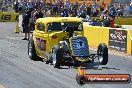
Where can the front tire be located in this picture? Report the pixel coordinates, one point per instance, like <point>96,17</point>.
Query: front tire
<point>102,54</point>
<point>31,51</point>
<point>56,56</point>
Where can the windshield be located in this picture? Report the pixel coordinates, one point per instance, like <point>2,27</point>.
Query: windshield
<point>59,26</point>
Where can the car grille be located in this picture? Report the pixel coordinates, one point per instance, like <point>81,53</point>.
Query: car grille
<point>80,46</point>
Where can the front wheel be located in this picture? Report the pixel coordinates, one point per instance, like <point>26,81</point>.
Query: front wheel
<point>32,51</point>
<point>102,54</point>
<point>56,56</point>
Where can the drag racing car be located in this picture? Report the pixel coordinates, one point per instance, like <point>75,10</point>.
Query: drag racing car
<point>61,42</point>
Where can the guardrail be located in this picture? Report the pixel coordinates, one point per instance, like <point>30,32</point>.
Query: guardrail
<point>9,17</point>
<point>129,42</point>
<point>96,35</point>
<point>120,20</point>
<point>123,21</point>
<point>115,38</point>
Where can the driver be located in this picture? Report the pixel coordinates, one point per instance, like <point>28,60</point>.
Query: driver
<point>71,30</point>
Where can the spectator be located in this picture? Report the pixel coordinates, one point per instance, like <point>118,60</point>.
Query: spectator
<point>89,8</point>
<point>33,20</point>
<point>1,2</point>
<point>82,15</point>
<point>54,9</point>
<point>73,13</point>
<point>38,4</point>
<point>75,8</point>
<point>33,15</point>
<point>16,6</point>
<point>120,10</point>
<point>109,17</point>
<point>24,7</point>
<point>48,13</point>
<point>63,12</point>
<point>131,3</point>
<point>26,24</point>
<point>2,7</point>
<point>60,4</point>
<point>49,5</point>
<point>67,6</point>
<point>102,6</point>
<point>82,8</point>
<point>106,20</point>
<point>109,6</point>
<point>94,9</point>
<point>44,6</point>
<point>20,7</point>
<point>126,10</point>
<point>112,14</point>
<point>30,6</point>
<point>39,14</point>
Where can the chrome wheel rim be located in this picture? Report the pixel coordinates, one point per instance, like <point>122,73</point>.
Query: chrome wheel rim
<point>30,50</point>
<point>100,58</point>
<point>100,55</point>
<point>53,57</point>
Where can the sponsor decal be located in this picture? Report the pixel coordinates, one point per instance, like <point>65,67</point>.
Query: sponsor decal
<point>118,40</point>
<point>83,78</point>
<point>5,17</point>
<point>9,17</point>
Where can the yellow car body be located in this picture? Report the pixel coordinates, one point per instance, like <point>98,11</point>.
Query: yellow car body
<point>49,32</point>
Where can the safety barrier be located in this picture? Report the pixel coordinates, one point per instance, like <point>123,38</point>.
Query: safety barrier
<point>120,20</point>
<point>96,35</point>
<point>8,17</point>
<point>115,38</point>
<point>123,21</point>
<point>129,43</point>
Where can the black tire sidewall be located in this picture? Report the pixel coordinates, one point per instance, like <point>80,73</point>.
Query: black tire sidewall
<point>103,48</point>
<point>33,51</point>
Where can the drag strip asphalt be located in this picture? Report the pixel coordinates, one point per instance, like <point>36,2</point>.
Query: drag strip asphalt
<point>18,71</point>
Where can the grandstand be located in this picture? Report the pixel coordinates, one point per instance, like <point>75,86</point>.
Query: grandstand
<point>86,1</point>
<point>122,1</point>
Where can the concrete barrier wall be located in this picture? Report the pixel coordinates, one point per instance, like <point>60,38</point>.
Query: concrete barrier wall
<point>123,21</point>
<point>120,20</point>
<point>8,17</point>
<point>129,42</point>
<point>97,35</point>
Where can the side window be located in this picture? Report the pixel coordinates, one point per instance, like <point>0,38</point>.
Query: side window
<point>40,27</point>
<point>54,26</point>
<point>49,25</point>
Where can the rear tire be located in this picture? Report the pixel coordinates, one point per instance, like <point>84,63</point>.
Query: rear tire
<point>102,54</point>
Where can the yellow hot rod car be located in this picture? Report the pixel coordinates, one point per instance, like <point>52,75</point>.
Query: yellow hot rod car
<point>60,41</point>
